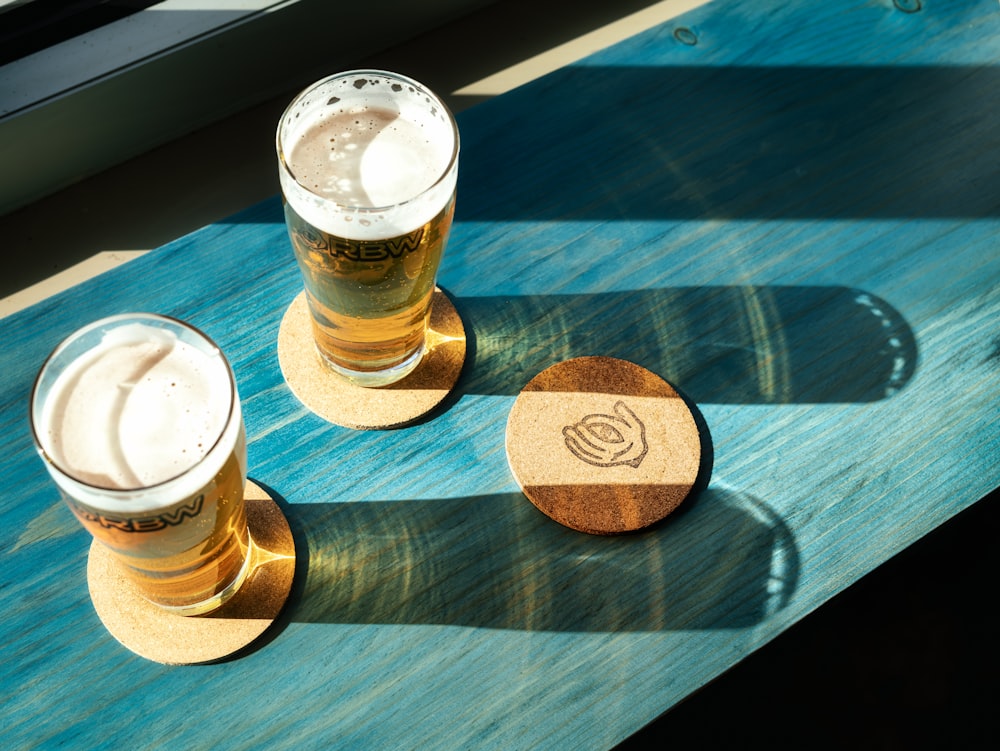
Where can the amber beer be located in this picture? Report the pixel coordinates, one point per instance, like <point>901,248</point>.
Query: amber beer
<point>139,423</point>
<point>368,162</point>
<point>369,299</point>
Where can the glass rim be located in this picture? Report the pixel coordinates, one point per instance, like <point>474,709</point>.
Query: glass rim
<point>445,172</point>
<point>103,322</point>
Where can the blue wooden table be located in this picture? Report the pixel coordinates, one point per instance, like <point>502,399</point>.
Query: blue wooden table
<point>789,210</point>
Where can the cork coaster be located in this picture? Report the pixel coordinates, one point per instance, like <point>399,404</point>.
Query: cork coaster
<point>341,402</point>
<point>172,639</point>
<point>602,445</point>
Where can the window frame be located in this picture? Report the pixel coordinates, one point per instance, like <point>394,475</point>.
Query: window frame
<point>95,100</point>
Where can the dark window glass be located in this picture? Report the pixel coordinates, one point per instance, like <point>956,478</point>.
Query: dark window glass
<point>32,26</point>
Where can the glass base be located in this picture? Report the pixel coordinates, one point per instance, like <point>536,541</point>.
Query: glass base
<point>217,600</point>
<point>157,634</point>
<point>374,378</point>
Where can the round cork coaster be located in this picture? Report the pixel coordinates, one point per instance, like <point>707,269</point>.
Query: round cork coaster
<point>341,402</point>
<point>172,639</point>
<point>602,445</point>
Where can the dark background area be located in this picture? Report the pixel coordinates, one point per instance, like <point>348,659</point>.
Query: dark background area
<point>906,658</point>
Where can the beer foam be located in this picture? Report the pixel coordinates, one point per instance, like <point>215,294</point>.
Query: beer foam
<point>138,410</point>
<point>367,156</point>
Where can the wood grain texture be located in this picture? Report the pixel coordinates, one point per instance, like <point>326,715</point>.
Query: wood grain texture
<point>788,210</point>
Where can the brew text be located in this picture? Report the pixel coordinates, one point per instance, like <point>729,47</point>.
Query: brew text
<point>171,518</point>
<point>363,250</point>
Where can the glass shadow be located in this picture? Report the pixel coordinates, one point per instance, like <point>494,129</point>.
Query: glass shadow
<point>494,561</point>
<point>737,345</point>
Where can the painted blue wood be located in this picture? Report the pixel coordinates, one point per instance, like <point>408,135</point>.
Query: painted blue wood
<point>790,210</point>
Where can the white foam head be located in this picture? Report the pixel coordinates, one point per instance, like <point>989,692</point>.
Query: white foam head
<point>367,155</point>
<point>140,409</point>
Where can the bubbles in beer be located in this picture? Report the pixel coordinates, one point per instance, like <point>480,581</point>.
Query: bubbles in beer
<point>367,144</point>
<point>376,160</point>
<point>139,410</point>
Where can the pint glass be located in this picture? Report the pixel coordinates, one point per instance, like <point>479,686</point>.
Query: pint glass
<point>368,162</point>
<point>138,421</point>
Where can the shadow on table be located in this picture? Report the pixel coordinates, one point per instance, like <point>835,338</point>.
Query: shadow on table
<point>723,561</point>
<point>735,142</point>
<point>741,344</point>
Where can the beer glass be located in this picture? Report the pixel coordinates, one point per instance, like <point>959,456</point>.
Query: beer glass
<point>138,421</point>
<point>368,162</point>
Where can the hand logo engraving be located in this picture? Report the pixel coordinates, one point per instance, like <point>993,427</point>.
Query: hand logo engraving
<point>608,440</point>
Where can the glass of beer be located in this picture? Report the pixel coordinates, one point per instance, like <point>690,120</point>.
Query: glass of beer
<point>138,421</point>
<point>368,162</point>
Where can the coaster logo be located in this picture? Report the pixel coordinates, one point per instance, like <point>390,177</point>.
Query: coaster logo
<point>608,440</point>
